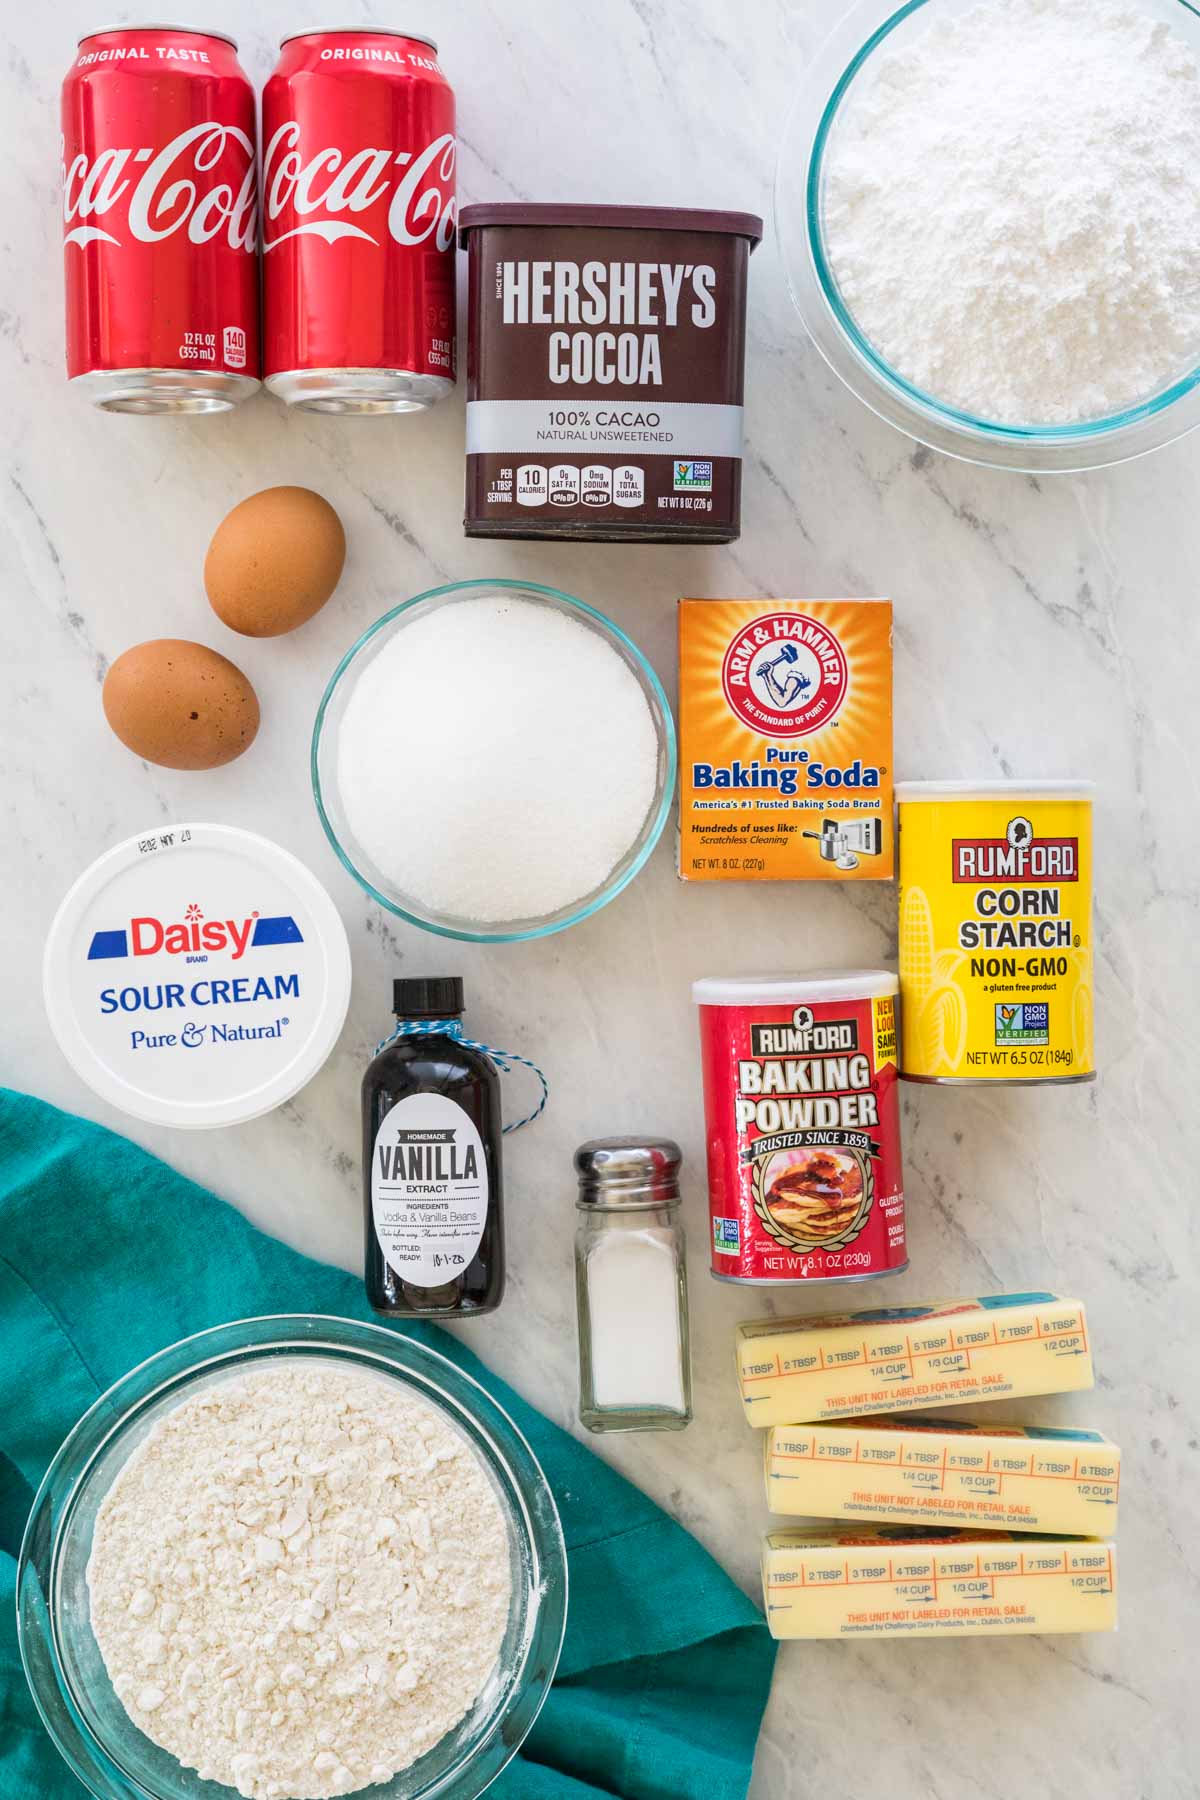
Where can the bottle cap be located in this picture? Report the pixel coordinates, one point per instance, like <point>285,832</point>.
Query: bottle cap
<point>197,975</point>
<point>628,1171</point>
<point>428,997</point>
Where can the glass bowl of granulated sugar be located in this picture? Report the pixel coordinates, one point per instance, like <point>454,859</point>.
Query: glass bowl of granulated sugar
<point>987,214</point>
<point>292,1558</point>
<point>494,760</point>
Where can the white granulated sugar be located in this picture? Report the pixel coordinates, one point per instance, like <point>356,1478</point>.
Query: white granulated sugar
<point>496,760</point>
<point>300,1581</point>
<point>1011,206</point>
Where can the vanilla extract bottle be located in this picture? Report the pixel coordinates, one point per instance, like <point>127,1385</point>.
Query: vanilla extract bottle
<point>433,1188</point>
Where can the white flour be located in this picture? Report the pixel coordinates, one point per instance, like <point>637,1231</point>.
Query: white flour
<point>1012,204</point>
<point>300,1581</point>
<point>497,760</point>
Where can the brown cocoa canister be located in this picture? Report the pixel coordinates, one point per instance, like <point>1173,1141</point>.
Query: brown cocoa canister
<point>606,354</point>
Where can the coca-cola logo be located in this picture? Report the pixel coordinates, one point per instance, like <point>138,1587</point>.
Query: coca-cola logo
<point>178,189</point>
<point>318,190</point>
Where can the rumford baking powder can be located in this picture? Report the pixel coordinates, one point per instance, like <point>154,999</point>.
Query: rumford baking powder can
<point>803,1127</point>
<point>996,931</point>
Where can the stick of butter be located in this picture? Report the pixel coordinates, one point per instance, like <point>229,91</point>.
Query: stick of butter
<point>901,1358</point>
<point>946,1472</point>
<point>898,1581</point>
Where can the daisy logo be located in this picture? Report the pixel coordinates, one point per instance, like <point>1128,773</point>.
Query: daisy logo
<point>785,675</point>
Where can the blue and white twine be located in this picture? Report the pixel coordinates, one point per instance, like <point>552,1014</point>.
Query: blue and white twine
<point>501,1060</point>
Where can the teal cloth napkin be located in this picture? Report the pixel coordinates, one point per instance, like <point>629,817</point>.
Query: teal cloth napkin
<point>107,1255</point>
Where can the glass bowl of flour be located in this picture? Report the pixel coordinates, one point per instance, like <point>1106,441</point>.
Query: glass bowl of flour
<point>494,760</point>
<point>987,214</point>
<point>291,1558</point>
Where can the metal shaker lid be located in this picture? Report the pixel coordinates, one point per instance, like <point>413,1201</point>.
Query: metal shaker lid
<point>628,1171</point>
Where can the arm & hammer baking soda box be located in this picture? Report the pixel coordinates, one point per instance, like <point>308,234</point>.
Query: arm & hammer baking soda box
<point>785,740</point>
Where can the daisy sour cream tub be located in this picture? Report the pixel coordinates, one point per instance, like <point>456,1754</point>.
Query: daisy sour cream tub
<point>196,975</point>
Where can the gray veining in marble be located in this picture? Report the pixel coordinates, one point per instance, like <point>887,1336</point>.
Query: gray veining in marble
<point>1042,627</point>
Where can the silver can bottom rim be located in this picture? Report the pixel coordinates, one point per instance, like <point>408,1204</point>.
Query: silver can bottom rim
<point>807,1281</point>
<point>151,390</point>
<point>359,391</point>
<point>999,1081</point>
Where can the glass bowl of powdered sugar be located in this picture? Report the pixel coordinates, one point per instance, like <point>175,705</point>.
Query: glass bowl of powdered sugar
<point>292,1558</point>
<point>987,213</point>
<point>494,760</point>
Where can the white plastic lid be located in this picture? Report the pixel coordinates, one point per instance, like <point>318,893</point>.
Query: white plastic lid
<point>794,990</point>
<point>197,976</point>
<point>908,791</point>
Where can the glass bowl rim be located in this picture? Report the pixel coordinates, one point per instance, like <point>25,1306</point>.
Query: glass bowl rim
<point>657,818</point>
<point>537,1519</point>
<point>1033,449</point>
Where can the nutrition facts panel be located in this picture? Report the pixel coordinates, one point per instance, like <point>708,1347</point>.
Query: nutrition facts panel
<point>571,484</point>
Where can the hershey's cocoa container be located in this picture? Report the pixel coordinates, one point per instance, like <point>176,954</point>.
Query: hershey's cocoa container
<point>160,221</point>
<point>605,366</point>
<point>359,218</point>
<point>802,1120</point>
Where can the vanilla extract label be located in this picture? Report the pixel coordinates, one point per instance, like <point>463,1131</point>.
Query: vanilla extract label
<point>429,1189</point>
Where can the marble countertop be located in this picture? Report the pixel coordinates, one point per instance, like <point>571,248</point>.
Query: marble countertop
<point>1042,627</point>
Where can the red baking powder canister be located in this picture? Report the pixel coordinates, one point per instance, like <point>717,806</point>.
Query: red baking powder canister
<point>359,220</point>
<point>803,1127</point>
<point>160,221</point>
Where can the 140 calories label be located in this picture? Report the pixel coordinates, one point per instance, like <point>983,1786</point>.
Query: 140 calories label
<point>805,1178</point>
<point>429,1189</point>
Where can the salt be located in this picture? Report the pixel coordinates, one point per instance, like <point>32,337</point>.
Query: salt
<point>496,760</point>
<point>1010,205</point>
<point>633,1307</point>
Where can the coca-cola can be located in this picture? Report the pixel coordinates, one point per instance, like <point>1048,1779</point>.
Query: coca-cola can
<point>160,221</point>
<point>358,223</point>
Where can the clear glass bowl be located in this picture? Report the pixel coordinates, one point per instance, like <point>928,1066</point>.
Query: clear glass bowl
<point>799,179</point>
<point>62,1660</point>
<point>352,853</point>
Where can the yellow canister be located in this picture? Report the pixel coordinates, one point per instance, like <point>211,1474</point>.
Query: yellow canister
<point>996,931</point>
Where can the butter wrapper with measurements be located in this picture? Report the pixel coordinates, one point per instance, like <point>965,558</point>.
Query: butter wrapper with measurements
<point>946,1472</point>
<point>901,1582</point>
<point>908,1358</point>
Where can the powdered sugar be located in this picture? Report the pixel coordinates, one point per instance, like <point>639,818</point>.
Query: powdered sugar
<point>1011,204</point>
<point>497,759</point>
<point>300,1581</point>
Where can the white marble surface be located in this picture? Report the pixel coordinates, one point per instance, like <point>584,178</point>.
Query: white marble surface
<point>1041,627</point>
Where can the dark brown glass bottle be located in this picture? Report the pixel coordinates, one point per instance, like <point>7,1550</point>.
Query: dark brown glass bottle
<point>432,1183</point>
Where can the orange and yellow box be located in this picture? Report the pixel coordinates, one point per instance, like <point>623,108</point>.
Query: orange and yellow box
<point>785,740</point>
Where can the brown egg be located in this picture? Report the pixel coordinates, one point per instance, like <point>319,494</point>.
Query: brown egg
<point>274,561</point>
<point>180,705</point>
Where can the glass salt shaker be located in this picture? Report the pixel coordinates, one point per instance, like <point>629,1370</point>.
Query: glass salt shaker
<point>631,1287</point>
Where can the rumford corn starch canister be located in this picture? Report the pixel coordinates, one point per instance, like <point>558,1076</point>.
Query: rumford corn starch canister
<point>803,1127</point>
<point>996,931</point>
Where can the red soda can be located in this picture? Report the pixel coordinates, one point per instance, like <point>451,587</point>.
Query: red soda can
<point>358,223</point>
<point>160,221</point>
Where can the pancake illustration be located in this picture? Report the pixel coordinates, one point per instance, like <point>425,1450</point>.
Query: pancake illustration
<point>813,1195</point>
